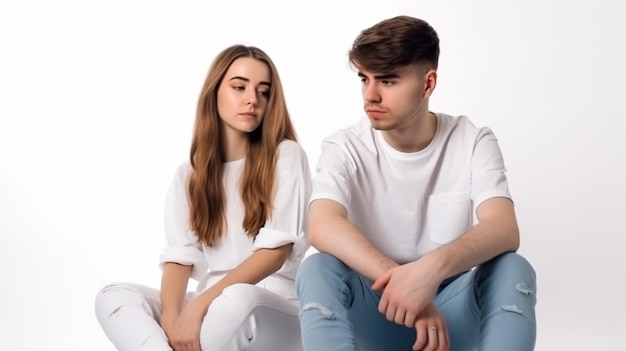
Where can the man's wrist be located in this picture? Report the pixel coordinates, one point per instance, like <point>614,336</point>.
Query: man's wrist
<point>385,265</point>
<point>437,265</point>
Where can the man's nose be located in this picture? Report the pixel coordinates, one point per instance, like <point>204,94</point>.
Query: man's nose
<point>370,93</point>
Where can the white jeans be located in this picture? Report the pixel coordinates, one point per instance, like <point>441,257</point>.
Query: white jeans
<point>244,317</point>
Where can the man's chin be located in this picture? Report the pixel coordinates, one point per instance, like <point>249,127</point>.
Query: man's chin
<point>380,125</point>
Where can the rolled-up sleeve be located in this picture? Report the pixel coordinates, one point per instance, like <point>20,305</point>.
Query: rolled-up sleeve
<point>182,244</point>
<point>289,216</point>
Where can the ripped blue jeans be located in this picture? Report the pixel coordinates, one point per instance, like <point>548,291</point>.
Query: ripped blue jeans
<point>490,308</point>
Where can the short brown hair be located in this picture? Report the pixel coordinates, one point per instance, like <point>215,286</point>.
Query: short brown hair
<point>395,42</point>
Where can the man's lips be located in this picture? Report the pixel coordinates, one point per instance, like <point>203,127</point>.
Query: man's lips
<point>372,112</point>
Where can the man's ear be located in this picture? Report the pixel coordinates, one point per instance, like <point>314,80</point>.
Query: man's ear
<point>430,82</point>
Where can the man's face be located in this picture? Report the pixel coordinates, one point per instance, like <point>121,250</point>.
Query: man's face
<point>395,99</point>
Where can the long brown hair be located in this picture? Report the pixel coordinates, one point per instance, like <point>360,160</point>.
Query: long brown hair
<point>205,190</point>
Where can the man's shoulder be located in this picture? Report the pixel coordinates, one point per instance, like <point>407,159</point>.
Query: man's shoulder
<point>359,131</point>
<point>455,120</point>
<point>460,125</point>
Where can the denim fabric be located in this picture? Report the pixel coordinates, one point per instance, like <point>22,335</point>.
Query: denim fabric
<point>490,308</point>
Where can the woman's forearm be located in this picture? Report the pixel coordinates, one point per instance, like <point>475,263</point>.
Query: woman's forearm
<point>174,286</point>
<point>255,268</point>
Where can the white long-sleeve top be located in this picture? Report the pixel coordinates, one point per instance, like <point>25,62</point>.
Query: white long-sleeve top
<point>292,189</point>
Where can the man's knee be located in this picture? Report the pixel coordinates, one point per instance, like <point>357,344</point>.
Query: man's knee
<point>317,264</point>
<point>513,260</point>
<point>512,266</point>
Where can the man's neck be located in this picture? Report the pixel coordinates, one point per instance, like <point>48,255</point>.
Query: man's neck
<point>415,136</point>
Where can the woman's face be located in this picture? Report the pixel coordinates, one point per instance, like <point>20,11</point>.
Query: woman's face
<point>243,95</point>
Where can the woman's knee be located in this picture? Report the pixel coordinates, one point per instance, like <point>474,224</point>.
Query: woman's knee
<point>238,301</point>
<point>108,291</point>
<point>235,316</point>
<point>106,301</point>
<point>239,294</point>
<point>113,297</point>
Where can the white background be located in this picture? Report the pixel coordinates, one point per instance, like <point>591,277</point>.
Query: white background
<point>98,101</point>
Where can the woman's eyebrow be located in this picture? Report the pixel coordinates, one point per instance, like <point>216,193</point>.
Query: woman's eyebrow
<point>240,78</point>
<point>248,80</point>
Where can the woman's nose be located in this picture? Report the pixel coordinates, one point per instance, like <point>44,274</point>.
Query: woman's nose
<point>252,98</point>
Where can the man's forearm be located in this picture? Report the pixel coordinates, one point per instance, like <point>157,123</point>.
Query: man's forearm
<point>343,240</point>
<point>481,243</point>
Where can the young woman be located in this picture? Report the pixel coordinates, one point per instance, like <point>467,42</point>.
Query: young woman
<point>234,220</point>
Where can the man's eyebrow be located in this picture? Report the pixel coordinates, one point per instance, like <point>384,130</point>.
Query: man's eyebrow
<point>381,76</point>
<point>248,80</point>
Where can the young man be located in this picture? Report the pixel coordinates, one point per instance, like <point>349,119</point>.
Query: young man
<point>405,204</point>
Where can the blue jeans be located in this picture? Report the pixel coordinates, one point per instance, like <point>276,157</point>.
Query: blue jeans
<point>490,308</point>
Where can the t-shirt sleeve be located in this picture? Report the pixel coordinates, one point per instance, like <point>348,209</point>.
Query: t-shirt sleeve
<point>182,244</point>
<point>334,172</point>
<point>288,222</point>
<point>488,170</point>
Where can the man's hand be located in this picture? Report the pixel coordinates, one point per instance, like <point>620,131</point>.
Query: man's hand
<point>432,333</point>
<point>407,290</point>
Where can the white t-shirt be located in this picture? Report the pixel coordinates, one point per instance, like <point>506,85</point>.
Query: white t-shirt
<point>292,189</point>
<point>409,204</point>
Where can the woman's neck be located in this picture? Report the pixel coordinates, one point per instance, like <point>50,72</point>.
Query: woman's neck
<point>235,145</point>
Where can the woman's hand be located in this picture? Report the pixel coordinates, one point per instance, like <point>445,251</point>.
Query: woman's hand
<point>184,333</point>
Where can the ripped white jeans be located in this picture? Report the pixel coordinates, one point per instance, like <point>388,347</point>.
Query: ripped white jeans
<point>244,317</point>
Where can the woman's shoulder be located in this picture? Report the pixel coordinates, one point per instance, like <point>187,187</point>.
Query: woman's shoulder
<point>291,153</point>
<point>181,173</point>
<point>290,147</point>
